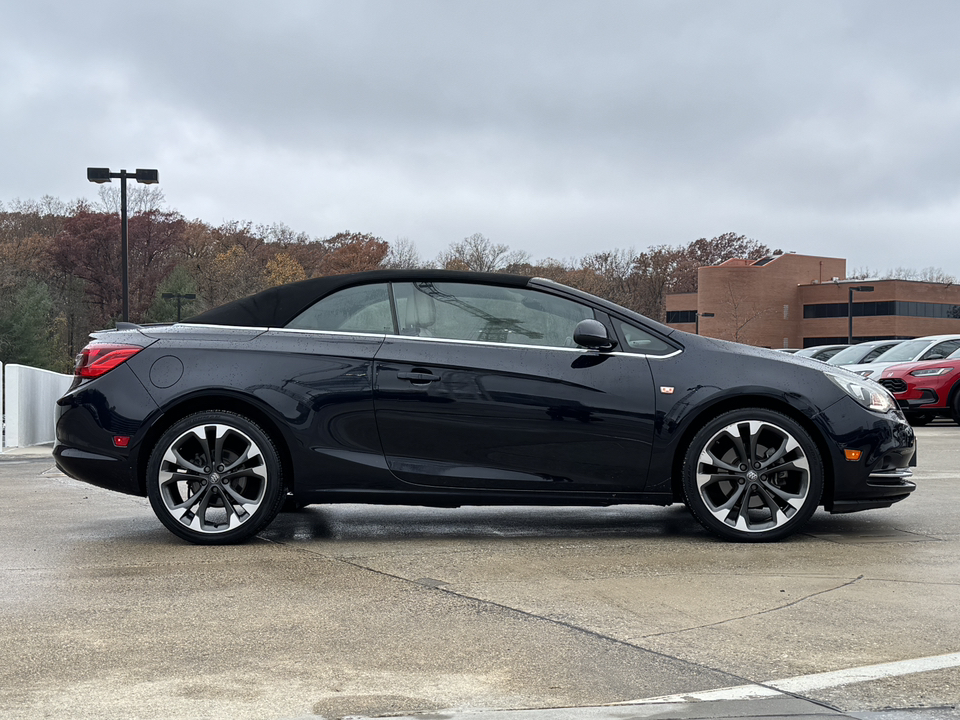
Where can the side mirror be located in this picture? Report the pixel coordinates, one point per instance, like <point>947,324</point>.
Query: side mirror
<point>593,334</point>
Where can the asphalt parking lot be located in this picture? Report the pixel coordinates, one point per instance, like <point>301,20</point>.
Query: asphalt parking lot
<point>506,613</point>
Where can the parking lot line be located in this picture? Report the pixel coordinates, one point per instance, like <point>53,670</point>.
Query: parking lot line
<point>816,681</point>
<point>819,681</point>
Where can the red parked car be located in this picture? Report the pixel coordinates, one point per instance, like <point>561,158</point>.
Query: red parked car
<point>926,389</point>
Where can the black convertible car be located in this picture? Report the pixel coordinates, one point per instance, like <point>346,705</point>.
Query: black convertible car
<point>444,389</point>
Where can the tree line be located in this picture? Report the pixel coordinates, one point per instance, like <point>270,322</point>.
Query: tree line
<point>60,267</point>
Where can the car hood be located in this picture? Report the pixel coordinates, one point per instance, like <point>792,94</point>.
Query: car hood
<point>707,343</point>
<point>901,369</point>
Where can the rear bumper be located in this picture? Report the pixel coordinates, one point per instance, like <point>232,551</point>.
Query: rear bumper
<point>86,425</point>
<point>108,472</point>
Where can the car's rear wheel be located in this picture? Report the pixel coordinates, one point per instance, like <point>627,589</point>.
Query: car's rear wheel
<point>214,478</point>
<point>752,475</point>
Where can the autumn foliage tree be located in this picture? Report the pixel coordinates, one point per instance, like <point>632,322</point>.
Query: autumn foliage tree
<point>60,267</point>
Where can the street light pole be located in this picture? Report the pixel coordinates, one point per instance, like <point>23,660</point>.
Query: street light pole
<point>103,175</point>
<point>859,288</point>
<point>698,316</point>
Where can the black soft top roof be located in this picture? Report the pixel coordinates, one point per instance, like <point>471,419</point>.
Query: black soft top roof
<point>279,305</point>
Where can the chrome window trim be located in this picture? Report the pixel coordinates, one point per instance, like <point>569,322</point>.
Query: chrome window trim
<point>384,336</point>
<point>481,343</point>
<point>620,353</point>
<point>339,333</point>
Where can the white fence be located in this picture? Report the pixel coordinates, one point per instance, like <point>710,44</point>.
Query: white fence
<point>28,397</point>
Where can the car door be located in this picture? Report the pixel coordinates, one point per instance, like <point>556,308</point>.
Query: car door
<point>484,388</point>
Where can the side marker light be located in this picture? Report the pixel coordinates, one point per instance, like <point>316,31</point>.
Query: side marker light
<point>852,455</point>
<point>121,441</point>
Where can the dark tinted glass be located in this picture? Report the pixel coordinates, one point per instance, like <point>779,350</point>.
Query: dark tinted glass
<point>642,342</point>
<point>365,309</point>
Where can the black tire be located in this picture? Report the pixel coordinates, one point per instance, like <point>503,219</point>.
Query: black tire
<point>955,406</point>
<point>752,475</point>
<point>214,478</point>
<point>919,419</point>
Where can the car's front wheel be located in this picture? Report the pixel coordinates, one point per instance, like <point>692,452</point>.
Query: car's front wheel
<point>215,478</point>
<point>752,475</point>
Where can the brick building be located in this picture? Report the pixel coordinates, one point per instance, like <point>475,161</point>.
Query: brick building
<point>801,300</point>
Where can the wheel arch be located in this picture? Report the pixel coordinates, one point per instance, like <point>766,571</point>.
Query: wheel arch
<point>742,402</point>
<point>953,401</point>
<point>228,402</point>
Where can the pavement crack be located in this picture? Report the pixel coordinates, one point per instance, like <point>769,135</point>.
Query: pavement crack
<point>778,608</point>
<point>578,629</point>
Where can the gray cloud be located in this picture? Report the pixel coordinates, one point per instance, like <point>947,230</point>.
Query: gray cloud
<point>556,127</point>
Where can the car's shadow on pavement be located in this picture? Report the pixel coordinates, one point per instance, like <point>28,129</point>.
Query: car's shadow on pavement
<point>379,523</point>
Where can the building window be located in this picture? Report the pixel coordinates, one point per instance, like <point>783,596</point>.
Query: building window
<point>678,317</point>
<point>786,313</point>
<point>900,308</point>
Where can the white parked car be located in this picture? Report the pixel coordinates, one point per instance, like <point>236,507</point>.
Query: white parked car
<point>864,352</point>
<point>820,352</point>
<point>933,347</point>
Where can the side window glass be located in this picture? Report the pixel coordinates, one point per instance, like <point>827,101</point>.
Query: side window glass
<point>874,354</point>
<point>365,309</point>
<point>941,350</point>
<point>642,342</point>
<point>462,311</point>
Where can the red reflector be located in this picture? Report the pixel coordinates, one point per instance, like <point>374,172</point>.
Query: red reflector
<point>121,440</point>
<point>97,359</point>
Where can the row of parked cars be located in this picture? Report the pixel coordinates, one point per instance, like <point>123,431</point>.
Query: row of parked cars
<point>923,374</point>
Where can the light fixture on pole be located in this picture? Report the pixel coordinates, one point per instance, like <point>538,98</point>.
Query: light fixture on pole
<point>859,288</point>
<point>103,175</point>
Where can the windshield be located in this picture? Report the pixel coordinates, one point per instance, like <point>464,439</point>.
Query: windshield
<point>904,352</point>
<point>849,356</point>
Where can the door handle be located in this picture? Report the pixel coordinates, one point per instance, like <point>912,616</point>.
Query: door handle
<point>418,378</point>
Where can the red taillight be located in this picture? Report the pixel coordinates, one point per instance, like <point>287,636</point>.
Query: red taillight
<point>98,359</point>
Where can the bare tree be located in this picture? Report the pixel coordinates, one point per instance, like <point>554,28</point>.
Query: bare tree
<point>863,273</point>
<point>403,255</point>
<point>479,254</point>
<point>927,274</point>
<point>140,199</point>
<point>743,310</point>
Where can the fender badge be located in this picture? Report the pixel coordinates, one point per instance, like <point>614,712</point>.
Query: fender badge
<point>666,390</point>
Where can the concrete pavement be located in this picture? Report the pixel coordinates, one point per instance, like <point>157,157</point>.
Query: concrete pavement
<point>474,613</point>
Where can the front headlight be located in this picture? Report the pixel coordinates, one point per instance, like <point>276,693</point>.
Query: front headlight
<point>931,372</point>
<point>866,392</point>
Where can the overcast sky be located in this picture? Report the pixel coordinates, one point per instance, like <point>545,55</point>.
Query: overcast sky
<point>556,127</point>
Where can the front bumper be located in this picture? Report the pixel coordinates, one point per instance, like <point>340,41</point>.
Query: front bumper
<point>888,452</point>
